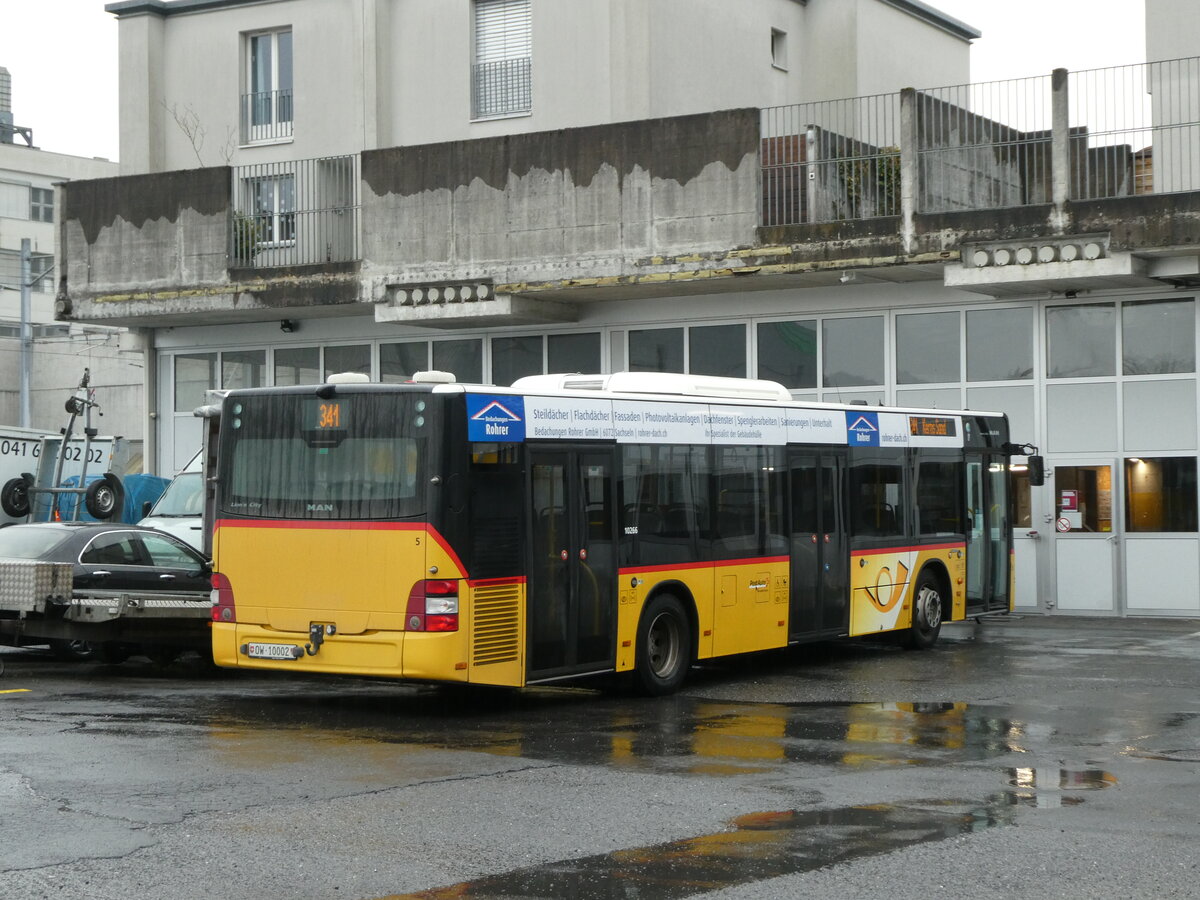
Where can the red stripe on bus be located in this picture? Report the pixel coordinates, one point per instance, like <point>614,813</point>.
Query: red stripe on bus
<point>336,525</point>
<point>707,564</point>
<point>911,549</point>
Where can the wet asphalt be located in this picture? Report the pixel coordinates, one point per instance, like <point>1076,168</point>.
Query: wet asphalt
<point>1023,757</point>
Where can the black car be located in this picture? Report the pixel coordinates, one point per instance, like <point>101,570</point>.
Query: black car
<point>109,558</point>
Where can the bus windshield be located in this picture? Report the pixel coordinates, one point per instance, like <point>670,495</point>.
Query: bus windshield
<point>296,456</point>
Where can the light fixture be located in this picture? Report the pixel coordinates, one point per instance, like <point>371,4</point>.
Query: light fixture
<point>287,326</point>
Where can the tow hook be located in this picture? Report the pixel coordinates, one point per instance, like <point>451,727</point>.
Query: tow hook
<point>316,633</point>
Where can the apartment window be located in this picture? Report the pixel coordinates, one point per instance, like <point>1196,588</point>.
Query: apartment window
<point>195,375</point>
<point>398,362</point>
<point>787,353</point>
<point>14,200</point>
<point>717,350</point>
<point>853,352</point>
<point>298,365</point>
<point>500,76</point>
<point>243,369</point>
<point>999,344</point>
<point>1160,494</point>
<point>927,348</point>
<point>515,357</point>
<point>1081,341</point>
<point>273,209</point>
<point>1158,337</point>
<point>41,204</point>
<point>779,49</point>
<point>267,104</point>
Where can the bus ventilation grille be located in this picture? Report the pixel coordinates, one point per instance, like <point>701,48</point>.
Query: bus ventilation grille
<point>497,623</point>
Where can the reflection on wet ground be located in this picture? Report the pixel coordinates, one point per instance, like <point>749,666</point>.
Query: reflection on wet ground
<point>676,735</point>
<point>753,848</point>
<point>767,845</point>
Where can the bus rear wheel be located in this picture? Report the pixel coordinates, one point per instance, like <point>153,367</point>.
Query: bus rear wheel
<point>926,614</point>
<point>664,646</point>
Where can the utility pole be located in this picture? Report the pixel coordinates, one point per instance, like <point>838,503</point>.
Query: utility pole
<point>26,332</point>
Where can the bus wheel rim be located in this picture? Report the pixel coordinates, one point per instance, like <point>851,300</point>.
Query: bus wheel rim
<point>929,605</point>
<point>662,648</point>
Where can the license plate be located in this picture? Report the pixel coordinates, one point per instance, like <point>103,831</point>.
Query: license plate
<point>272,651</point>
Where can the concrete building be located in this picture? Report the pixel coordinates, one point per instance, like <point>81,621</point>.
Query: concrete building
<point>561,190</point>
<point>29,210</point>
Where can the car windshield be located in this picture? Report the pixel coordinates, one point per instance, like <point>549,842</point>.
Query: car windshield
<point>29,541</point>
<point>184,496</point>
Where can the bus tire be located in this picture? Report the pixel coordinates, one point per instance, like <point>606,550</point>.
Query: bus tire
<point>926,613</point>
<point>664,646</point>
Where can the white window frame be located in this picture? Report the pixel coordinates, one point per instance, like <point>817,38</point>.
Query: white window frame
<point>279,219</point>
<point>278,126</point>
<point>502,39</point>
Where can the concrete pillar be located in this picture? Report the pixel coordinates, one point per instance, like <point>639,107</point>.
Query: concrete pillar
<point>909,167</point>
<point>1060,150</point>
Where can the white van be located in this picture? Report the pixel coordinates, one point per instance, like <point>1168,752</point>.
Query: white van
<point>180,509</point>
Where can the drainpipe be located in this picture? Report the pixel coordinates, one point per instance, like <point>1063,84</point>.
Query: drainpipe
<point>26,412</point>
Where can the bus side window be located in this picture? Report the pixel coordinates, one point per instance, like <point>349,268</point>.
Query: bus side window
<point>877,492</point>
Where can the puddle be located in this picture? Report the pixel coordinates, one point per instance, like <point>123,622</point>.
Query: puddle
<point>1043,788</point>
<point>754,848</point>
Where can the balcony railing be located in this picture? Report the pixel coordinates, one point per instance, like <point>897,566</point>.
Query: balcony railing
<point>266,116</point>
<point>304,212</point>
<point>501,88</point>
<point>1072,136</point>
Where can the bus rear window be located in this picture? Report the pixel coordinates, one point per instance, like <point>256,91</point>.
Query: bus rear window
<point>367,463</point>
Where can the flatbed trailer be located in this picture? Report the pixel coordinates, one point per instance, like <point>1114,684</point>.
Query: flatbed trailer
<point>38,605</point>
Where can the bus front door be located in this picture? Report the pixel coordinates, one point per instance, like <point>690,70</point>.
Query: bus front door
<point>820,588</point>
<point>571,584</point>
<point>987,533</point>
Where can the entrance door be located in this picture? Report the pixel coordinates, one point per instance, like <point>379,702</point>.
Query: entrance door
<point>820,589</point>
<point>987,532</point>
<point>1083,537</point>
<point>571,587</point>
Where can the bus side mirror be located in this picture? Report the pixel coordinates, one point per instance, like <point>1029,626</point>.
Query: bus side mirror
<point>1037,471</point>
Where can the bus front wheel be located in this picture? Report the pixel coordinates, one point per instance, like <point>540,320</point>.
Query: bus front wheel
<point>926,615</point>
<point>664,646</point>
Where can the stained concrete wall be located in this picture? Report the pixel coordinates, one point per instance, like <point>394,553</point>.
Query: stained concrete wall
<point>562,204</point>
<point>146,232</point>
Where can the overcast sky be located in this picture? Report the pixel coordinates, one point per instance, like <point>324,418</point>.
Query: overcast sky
<point>62,55</point>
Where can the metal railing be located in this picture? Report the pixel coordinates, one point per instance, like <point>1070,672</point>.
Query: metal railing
<point>1094,134</point>
<point>1142,129</point>
<point>501,88</point>
<point>984,146</point>
<point>831,161</point>
<point>266,116</point>
<point>303,212</point>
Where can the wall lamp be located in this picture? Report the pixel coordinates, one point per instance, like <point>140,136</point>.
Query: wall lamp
<point>287,326</point>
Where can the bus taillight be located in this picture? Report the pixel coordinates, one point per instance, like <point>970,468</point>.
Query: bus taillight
<point>433,606</point>
<point>223,609</point>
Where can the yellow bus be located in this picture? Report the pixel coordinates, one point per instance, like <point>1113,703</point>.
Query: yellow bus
<point>574,525</point>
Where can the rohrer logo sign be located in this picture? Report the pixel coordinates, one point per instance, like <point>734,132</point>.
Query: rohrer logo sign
<point>862,429</point>
<point>495,418</point>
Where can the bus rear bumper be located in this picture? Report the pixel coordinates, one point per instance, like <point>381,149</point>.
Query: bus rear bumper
<point>386,654</point>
